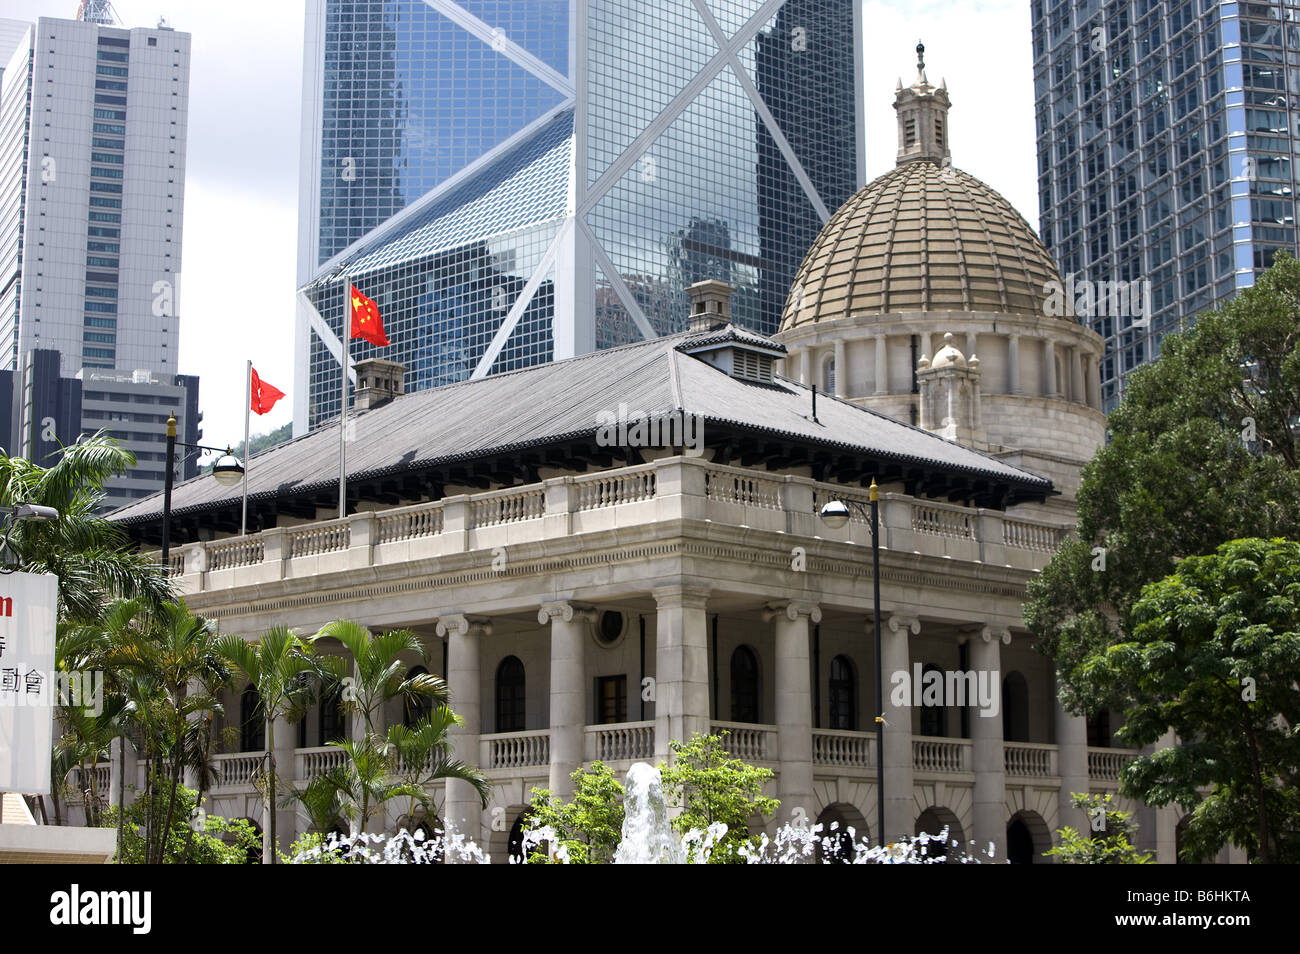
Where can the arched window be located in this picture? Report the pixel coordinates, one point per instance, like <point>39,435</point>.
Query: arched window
<point>330,719</point>
<point>744,685</point>
<point>510,695</point>
<point>252,724</point>
<point>934,719</point>
<point>416,707</point>
<point>1015,708</point>
<point>828,375</point>
<point>843,695</point>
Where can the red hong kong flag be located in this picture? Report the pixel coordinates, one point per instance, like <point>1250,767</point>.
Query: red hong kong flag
<point>366,322</point>
<point>264,395</point>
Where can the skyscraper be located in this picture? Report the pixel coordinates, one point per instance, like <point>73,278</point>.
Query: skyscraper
<point>515,182</point>
<point>92,172</point>
<point>1166,151</point>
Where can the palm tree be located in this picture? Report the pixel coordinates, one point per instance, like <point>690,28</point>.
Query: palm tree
<point>172,655</point>
<point>423,755</point>
<point>377,669</point>
<point>92,558</point>
<point>281,668</point>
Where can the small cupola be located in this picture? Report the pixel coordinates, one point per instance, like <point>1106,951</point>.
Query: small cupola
<point>713,339</point>
<point>922,117</point>
<point>378,382</point>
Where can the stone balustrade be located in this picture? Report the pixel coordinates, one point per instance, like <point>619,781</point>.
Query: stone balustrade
<point>514,750</point>
<point>1105,765</point>
<point>672,488</point>
<point>843,749</point>
<point>1030,760</point>
<point>748,742</point>
<point>621,742</point>
<point>941,755</point>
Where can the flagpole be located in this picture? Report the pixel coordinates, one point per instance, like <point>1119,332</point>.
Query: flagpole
<point>248,404</point>
<point>344,339</point>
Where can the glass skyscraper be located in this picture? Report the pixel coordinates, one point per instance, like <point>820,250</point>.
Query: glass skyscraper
<point>1167,139</point>
<point>515,181</point>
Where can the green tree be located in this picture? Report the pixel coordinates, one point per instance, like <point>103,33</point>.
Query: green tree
<point>169,659</point>
<point>1215,656</point>
<point>421,755</point>
<point>1201,452</point>
<point>590,826</point>
<point>194,836</point>
<point>283,671</point>
<point>92,558</point>
<point>708,785</point>
<point>1111,843</point>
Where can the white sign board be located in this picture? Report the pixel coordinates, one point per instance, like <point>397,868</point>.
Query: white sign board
<point>28,611</point>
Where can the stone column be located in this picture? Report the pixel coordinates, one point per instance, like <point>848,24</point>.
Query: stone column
<point>1077,390</point>
<point>1049,363</point>
<point>882,364</point>
<point>569,629</point>
<point>681,664</point>
<point>896,656</point>
<point>1157,827</point>
<point>794,705</point>
<point>1091,382</point>
<point>463,810</point>
<point>989,810</point>
<point>1013,364</point>
<point>805,367</point>
<point>841,369</point>
<point>1072,763</point>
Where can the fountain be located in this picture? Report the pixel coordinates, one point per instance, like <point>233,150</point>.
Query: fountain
<point>648,838</point>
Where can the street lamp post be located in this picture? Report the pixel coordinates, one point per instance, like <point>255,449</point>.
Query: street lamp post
<point>835,514</point>
<point>227,471</point>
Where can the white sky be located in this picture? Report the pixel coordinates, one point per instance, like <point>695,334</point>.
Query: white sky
<point>241,189</point>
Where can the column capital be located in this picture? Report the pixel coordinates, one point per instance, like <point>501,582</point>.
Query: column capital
<point>999,633</point>
<point>460,624</point>
<point>670,595</point>
<point>792,610</point>
<point>565,611</point>
<point>898,624</point>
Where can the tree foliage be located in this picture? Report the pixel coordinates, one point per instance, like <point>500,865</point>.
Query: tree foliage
<point>1201,451</point>
<point>1110,844</point>
<point>591,825</point>
<point>1215,656</point>
<point>708,786</point>
<point>194,836</point>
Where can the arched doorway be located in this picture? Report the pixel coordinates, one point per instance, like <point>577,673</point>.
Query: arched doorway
<point>843,826</point>
<point>933,821</point>
<point>1027,839</point>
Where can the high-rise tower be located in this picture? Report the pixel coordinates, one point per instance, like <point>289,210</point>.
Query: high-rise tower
<point>1166,154</point>
<point>517,182</point>
<point>92,173</point>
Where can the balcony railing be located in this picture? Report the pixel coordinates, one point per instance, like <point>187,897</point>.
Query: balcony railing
<point>671,488</point>
<point>941,755</point>
<point>1029,759</point>
<point>1106,764</point>
<point>508,750</point>
<point>747,741</point>
<point>310,763</point>
<point>237,770</point>
<point>841,749</point>
<point>621,742</point>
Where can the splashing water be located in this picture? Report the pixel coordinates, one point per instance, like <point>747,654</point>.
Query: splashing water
<point>647,837</point>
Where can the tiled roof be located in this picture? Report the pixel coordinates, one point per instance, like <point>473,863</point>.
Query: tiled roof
<point>564,400</point>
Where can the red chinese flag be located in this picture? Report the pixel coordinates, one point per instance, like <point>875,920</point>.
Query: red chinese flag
<point>264,395</point>
<point>366,322</point>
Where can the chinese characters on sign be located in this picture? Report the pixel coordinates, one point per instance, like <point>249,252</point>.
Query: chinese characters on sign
<point>30,602</point>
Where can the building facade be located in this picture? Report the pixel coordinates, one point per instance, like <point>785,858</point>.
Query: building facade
<point>520,182</point>
<point>609,552</point>
<point>1166,151</point>
<point>92,172</point>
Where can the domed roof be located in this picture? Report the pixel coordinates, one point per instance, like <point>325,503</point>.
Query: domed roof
<point>922,237</point>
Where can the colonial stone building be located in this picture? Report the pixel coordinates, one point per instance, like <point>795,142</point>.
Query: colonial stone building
<point>610,552</point>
